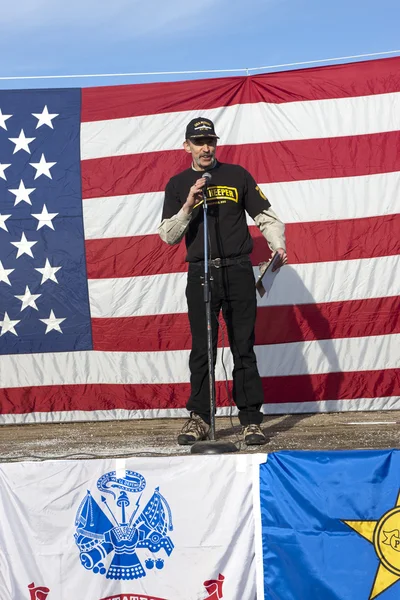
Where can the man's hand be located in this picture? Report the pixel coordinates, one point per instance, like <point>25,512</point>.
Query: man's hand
<point>282,261</point>
<point>195,195</point>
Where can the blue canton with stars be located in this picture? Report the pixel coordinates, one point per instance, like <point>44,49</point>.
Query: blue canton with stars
<point>44,300</point>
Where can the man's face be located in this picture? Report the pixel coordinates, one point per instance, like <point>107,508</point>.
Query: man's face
<point>202,151</point>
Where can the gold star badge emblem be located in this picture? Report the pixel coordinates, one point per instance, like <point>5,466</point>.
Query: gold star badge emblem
<point>385,537</point>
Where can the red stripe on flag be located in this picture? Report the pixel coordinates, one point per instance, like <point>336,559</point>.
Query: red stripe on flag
<point>295,388</point>
<point>346,239</point>
<point>275,325</point>
<point>133,256</point>
<point>294,160</point>
<point>332,386</point>
<point>319,241</point>
<point>319,83</point>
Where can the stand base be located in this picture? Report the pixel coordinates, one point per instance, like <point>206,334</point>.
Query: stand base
<point>213,447</point>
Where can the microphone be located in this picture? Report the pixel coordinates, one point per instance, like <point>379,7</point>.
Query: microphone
<point>207,176</point>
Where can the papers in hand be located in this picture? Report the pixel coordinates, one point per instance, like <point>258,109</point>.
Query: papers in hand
<point>267,276</point>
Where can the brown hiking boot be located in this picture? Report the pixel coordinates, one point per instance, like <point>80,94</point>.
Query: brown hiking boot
<point>253,436</point>
<point>194,430</point>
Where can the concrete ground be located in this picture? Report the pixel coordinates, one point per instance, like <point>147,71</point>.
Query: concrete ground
<point>335,431</point>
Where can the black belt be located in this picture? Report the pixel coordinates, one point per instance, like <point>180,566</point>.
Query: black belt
<point>224,262</point>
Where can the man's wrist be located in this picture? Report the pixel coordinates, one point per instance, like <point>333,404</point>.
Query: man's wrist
<point>185,213</point>
<point>187,210</point>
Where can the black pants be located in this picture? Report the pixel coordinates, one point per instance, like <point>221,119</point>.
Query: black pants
<point>232,289</point>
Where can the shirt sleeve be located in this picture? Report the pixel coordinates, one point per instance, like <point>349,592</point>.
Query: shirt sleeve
<point>259,208</point>
<point>174,222</point>
<point>272,229</point>
<point>254,199</point>
<point>172,203</point>
<point>172,230</point>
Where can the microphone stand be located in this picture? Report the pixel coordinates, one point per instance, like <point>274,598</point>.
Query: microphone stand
<point>210,446</point>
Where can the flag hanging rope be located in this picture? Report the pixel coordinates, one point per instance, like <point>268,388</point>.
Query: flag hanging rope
<point>245,70</point>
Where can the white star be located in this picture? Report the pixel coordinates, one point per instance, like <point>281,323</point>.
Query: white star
<point>22,193</point>
<point>3,219</point>
<point>43,167</point>
<point>48,272</point>
<point>52,322</point>
<point>3,119</point>
<point>21,142</point>
<point>4,273</point>
<point>8,325</point>
<point>24,247</point>
<point>2,169</point>
<point>45,218</point>
<point>45,118</point>
<point>28,299</point>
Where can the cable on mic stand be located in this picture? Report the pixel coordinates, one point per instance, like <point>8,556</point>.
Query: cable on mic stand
<point>228,393</point>
<point>210,446</point>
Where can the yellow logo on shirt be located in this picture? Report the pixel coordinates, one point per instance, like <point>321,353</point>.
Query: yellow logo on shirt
<point>222,192</point>
<point>263,196</point>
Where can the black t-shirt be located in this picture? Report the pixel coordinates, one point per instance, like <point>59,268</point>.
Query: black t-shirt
<point>231,192</point>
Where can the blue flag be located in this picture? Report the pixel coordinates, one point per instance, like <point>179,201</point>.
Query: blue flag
<point>331,525</point>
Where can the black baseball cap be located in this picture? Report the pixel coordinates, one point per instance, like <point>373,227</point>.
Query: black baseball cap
<point>200,127</point>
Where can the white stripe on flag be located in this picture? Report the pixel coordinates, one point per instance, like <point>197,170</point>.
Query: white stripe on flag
<point>299,358</point>
<point>245,124</point>
<point>334,199</point>
<point>360,404</point>
<point>294,201</point>
<point>298,284</point>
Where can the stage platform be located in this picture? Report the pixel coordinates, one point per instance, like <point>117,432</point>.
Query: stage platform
<point>145,437</point>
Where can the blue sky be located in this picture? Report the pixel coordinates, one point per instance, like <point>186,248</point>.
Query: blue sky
<point>41,37</point>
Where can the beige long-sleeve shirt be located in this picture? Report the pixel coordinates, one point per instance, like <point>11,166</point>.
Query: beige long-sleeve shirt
<point>173,230</point>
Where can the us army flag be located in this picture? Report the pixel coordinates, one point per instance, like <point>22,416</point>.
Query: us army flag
<point>138,529</point>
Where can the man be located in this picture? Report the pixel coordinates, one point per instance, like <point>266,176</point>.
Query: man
<point>231,192</point>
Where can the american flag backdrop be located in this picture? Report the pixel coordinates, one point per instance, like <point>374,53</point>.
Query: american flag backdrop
<point>92,302</point>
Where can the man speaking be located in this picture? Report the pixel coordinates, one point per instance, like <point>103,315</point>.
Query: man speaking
<point>231,192</point>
